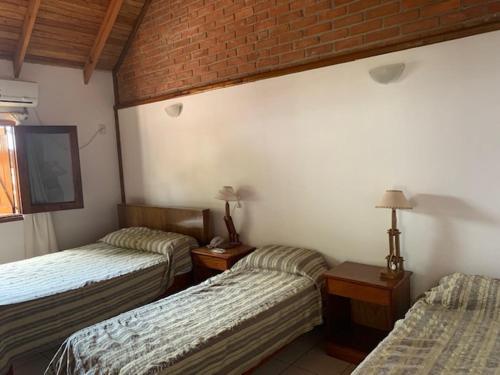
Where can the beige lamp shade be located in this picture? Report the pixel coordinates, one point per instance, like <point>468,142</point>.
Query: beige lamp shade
<point>394,199</point>
<point>227,194</point>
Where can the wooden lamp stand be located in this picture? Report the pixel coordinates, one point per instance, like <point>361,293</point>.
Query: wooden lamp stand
<point>394,199</point>
<point>234,238</point>
<point>227,194</point>
<point>395,269</point>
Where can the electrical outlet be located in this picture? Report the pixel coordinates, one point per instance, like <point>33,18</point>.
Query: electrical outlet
<point>101,129</point>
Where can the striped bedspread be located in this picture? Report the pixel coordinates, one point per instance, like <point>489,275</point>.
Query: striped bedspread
<point>454,329</point>
<point>225,325</point>
<point>45,299</point>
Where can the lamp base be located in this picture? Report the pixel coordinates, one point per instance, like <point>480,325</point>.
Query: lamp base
<point>388,274</point>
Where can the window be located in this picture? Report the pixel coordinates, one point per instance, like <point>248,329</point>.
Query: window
<point>39,169</point>
<point>8,188</point>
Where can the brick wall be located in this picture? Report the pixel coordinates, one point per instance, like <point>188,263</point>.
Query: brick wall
<point>183,44</point>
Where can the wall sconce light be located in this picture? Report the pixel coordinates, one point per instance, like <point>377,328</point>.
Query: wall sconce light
<point>174,110</point>
<point>387,73</point>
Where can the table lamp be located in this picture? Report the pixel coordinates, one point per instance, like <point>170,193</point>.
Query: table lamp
<point>394,199</point>
<point>228,194</point>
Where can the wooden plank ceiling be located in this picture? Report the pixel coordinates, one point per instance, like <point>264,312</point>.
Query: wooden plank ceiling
<point>66,32</point>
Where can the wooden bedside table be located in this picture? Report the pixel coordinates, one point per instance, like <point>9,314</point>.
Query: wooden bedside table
<point>207,264</point>
<point>362,308</point>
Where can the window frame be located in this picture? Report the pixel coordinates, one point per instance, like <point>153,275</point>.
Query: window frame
<point>27,207</point>
<point>16,214</point>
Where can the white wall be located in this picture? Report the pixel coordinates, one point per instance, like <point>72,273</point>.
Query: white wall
<point>313,152</point>
<point>65,100</point>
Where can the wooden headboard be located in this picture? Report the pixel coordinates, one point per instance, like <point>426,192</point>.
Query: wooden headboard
<point>189,221</point>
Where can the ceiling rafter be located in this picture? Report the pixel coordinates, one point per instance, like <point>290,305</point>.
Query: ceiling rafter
<point>24,41</point>
<point>99,43</point>
<point>132,36</point>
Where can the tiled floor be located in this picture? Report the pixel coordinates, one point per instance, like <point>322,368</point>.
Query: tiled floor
<point>304,356</point>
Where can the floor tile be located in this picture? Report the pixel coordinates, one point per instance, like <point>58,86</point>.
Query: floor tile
<point>305,353</point>
<point>34,365</point>
<point>293,351</point>
<point>318,362</point>
<point>292,370</point>
<point>349,369</point>
<point>49,353</point>
<point>271,367</point>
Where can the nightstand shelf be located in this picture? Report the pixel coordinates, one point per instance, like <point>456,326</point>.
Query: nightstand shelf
<point>354,342</point>
<point>207,263</point>
<point>362,308</point>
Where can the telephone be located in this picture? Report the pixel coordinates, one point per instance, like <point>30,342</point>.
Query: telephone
<point>216,243</point>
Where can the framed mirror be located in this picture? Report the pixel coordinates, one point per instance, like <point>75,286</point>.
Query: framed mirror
<point>48,168</point>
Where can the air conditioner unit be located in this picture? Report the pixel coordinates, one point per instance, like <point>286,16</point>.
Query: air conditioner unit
<point>18,93</point>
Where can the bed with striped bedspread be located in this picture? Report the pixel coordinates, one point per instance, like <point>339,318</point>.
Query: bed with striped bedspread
<point>453,329</point>
<point>45,299</point>
<point>226,325</point>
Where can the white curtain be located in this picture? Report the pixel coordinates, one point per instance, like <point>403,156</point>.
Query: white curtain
<point>39,235</point>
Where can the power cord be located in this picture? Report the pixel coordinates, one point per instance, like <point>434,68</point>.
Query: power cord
<point>101,130</point>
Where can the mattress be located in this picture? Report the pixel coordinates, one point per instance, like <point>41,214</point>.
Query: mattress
<point>225,325</point>
<point>454,329</point>
<point>45,299</point>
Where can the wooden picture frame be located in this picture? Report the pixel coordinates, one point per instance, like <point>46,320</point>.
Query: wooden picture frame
<point>28,205</point>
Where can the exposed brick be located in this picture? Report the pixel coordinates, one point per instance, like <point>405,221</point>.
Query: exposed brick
<point>271,61</point>
<point>469,13</point>
<point>245,49</point>
<point>381,35</point>
<point>279,10</point>
<point>349,20</point>
<point>290,17</point>
<point>427,24</point>
<point>332,14</point>
<point>290,36</point>
<point>321,5</point>
<point>402,18</point>
<point>319,50</point>
<point>405,4</point>
<point>306,21</point>
<point>243,13</point>
<point>186,43</point>
<point>292,56</point>
<point>494,7</point>
<point>281,49</point>
<point>440,8</point>
<point>349,43</point>
<point>300,44</point>
<point>360,5</point>
<point>334,35</point>
<point>246,68</point>
<point>300,4</point>
<point>366,27</point>
<point>383,10</point>
<point>318,29</point>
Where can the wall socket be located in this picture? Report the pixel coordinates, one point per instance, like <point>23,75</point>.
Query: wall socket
<point>101,128</point>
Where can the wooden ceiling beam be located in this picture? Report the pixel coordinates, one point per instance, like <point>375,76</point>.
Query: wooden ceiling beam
<point>103,35</point>
<point>132,36</point>
<point>24,41</point>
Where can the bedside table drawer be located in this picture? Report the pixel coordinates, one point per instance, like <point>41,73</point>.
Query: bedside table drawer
<point>359,292</point>
<point>210,262</point>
